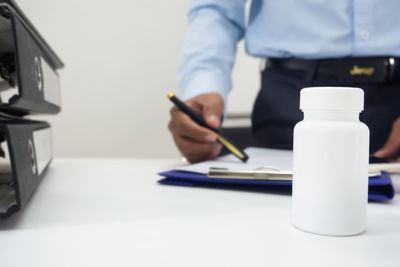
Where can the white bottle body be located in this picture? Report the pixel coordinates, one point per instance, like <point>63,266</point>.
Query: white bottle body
<point>330,173</point>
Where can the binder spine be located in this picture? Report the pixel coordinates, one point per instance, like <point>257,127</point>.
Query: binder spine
<point>30,153</point>
<point>38,82</point>
<point>27,65</point>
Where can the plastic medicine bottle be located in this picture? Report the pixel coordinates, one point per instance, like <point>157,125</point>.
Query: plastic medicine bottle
<point>330,162</point>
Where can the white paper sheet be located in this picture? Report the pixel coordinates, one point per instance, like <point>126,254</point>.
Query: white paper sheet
<point>258,157</point>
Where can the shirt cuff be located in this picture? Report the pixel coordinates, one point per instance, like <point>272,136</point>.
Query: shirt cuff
<point>203,83</point>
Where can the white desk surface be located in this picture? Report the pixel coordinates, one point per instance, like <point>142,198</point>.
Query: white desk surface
<point>99,212</point>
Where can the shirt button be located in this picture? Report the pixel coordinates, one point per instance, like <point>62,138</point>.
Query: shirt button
<point>364,34</point>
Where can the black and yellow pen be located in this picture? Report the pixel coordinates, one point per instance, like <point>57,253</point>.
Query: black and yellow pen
<point>197,118</point>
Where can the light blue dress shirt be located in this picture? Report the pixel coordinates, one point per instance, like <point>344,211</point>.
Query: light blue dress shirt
<point>309,29</point>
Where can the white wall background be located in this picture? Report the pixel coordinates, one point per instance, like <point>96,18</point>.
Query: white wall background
<point>121,59</point>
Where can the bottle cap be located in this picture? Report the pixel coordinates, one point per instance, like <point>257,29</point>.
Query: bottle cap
<point>332,98</point>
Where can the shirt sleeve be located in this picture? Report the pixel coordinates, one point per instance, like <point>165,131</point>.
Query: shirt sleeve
<point>210,46</point>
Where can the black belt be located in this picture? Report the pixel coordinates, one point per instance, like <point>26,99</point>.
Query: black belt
<point>346,70</point>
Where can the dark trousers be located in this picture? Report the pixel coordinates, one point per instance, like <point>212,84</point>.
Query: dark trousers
<point>276,110</point>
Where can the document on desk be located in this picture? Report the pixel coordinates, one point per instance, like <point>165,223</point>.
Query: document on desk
<point>259,158</point>
<point>380,186</point>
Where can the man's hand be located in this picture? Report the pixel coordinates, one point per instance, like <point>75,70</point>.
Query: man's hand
<point>392,145</point>
<point>195,142</point>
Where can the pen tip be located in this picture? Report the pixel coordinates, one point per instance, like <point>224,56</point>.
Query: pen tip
<point>170,95</point>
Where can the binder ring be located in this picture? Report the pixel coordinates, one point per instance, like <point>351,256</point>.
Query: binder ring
<point>32,156</point>
<point>38,73</point>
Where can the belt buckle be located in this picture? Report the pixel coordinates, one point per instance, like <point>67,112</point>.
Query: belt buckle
<point>362,70</point>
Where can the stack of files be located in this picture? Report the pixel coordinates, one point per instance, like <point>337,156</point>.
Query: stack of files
<point>29,84</point>
<point>277,164</point>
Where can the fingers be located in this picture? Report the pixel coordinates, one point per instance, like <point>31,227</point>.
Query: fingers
<point>193,150</point>
<point>186,127</point>
<point>211,106</point>
<point>213,111</point>
<point>392,145</point>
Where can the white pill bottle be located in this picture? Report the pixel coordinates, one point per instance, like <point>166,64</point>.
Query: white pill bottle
<point>330,162</point>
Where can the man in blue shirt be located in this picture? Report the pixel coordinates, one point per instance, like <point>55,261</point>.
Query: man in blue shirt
<point>308,43</point>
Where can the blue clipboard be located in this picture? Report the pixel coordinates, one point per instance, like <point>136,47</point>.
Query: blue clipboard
<point>380,188</point>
